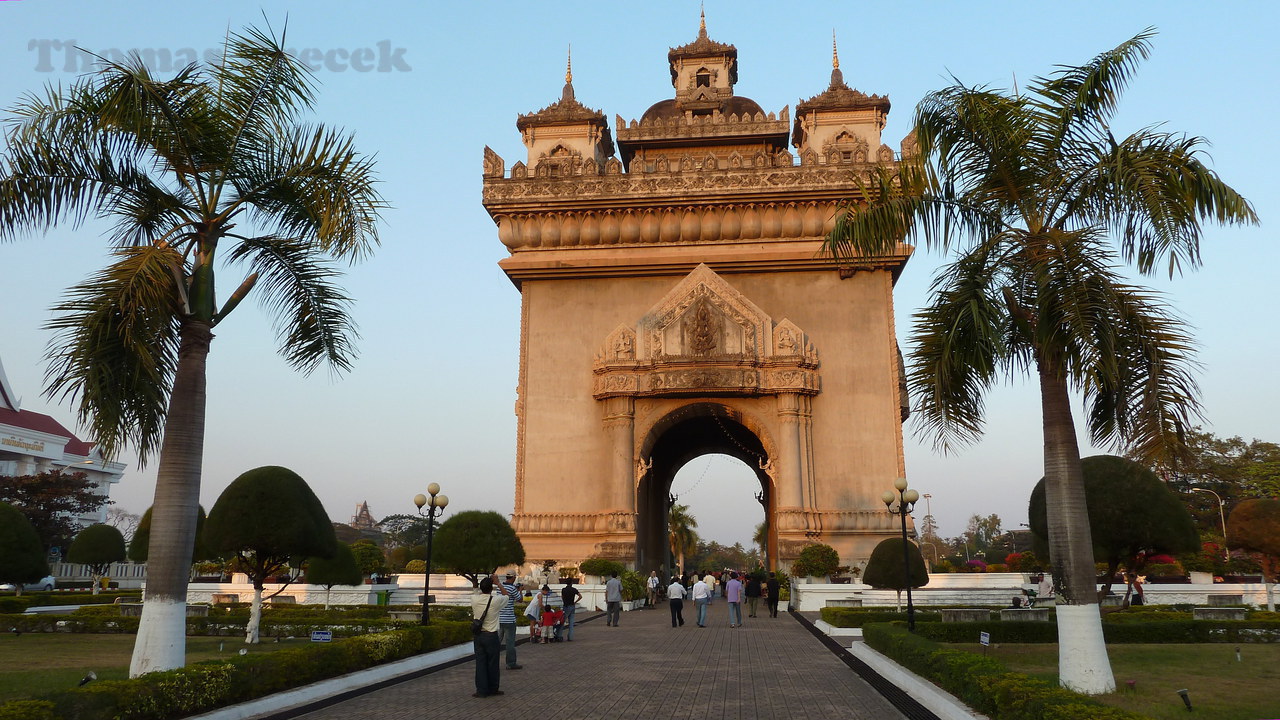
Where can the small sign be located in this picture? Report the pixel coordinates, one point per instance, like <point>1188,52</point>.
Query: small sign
<point>327,635</point>
<point>983,637</point>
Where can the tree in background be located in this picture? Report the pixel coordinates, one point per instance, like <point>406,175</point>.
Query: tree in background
<point>369,558</point>
<point>816,560</point>
<point>124,521</point>
<point>681,534</point>
<point>337,570</point>
<point>403,530</point>
<point>401,556</point>
<point>98,547</point>
<point>1254,526</point>
<point>216,158</point>
<point>760,539</point>
<point>884,568</point>
<point>22,555</point>
<point>51,502</point>
<point>711,555</point>
<point>1040,202</point>
<point>1131,512</point>
<point>266,517</point>
<point>477,542</point>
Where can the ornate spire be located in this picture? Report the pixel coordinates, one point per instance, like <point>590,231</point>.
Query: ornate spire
<point>566,95</point>
<point>837,77</point>
<point>702,24</point>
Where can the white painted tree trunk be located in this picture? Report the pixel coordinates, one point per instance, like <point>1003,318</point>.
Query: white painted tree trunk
<point>1271,598</point>
<point>1083,665</point>
<point>97,583</point>
<point>327,589</point>
<point>899,601</point>
<point>255,617</point>
<point>161,643</point>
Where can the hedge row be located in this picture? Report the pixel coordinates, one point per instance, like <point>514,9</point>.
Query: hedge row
<point>1129,632</point>
<point>856,617</point>
<point>291,627</point>
<point>983,683</point>
<point>210,685</point>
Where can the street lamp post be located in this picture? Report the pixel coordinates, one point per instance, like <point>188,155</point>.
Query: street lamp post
<point>435,507</point>
<point>1221,516</point>
<point>906,501</point>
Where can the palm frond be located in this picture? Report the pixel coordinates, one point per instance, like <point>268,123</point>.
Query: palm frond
<point>1089,93</point>
<point>314,186</point>
<point>116,349</point>
<point>312,321</point>
<point>960,343</point>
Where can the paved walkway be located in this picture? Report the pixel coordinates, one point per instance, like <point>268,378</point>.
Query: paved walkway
<point>771,668</point>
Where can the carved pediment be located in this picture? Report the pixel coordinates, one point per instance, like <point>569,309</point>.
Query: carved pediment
<point>706,337</point>
<point>704,316</point>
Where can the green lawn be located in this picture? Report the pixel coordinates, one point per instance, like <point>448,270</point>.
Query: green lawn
<point>1219,687</point>
<point>36,663</point>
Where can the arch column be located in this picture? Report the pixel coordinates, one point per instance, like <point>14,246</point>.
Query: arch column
<point>619,423</point>
<point>789,466</point>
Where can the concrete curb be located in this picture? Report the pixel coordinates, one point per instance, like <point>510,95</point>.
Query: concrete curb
<point>325,690</point>
<point>937,700</point>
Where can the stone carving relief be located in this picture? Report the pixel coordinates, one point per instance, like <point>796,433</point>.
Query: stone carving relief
<point>494,167</point>
<point>885,155</point>
<point>705,336</point>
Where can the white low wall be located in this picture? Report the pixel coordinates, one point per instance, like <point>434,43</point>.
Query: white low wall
<point>998,589</point>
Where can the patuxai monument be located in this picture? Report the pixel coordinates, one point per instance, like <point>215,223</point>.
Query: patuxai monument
<point>675,301</point>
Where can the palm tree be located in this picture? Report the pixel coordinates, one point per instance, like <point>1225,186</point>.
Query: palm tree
<point>1041,202</point>
<point>212,159</point>
<point>680,533</point>
<point>760,538</point>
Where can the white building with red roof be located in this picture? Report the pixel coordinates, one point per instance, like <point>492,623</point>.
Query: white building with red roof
<point>32,443</point>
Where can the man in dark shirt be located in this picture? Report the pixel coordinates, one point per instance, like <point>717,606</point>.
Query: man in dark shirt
<point>570,596</point>
<point>775,589</point>
<point>753,594</point>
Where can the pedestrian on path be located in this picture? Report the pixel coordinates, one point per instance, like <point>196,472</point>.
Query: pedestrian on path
<point>570,597</point>
<point>675,598</point>
<point>733,593</point>
<point>775,592</point>
<point>652,584</point>
<point>613,600</point>
<point>507,619</point>
<point>701,599</point>
<point>753,593</point>
<point>485,606</point>
<point>710,579</point>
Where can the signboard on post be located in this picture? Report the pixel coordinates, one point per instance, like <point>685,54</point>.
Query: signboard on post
<point>984,637</point>
<point>324,636</point>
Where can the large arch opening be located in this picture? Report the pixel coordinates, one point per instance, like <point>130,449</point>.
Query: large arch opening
<point>681,436</point>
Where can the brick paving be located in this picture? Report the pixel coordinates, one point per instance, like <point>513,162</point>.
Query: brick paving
<point>771,668</point>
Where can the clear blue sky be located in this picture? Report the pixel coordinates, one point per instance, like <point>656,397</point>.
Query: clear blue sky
<point>431,397</point>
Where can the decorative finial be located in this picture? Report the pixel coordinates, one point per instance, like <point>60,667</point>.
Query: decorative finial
<point>702,25</point>
<point>568,68</point>
<point>837,77</point>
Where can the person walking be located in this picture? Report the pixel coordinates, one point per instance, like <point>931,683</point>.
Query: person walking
<point>675,598</point>
<point>701,599</point>
<point>711,580</point>
<point>485,606</point>
<point>753,593</point>
<point>775,590</point>
<point>507,619</point>
<point>613,600</point>
<point>733,593</point>
<point>652,586</point>
<point>570,597</point>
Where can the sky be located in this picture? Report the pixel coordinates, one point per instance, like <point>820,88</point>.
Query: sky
<point>425,86</point>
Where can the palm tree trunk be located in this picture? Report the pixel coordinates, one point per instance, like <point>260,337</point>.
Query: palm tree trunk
<point>1083,664</point>
<point>161,641</point>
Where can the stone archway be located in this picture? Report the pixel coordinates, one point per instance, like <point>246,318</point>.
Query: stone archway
<point>688,432</point>
<point>686,270</point>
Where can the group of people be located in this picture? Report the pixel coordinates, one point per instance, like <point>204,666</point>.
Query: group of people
<point>703,592</point>
<point>494,625</point>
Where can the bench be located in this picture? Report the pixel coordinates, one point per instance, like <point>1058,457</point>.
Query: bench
<point>225,598</point>
<point>405,615</point>
<point>1225,599</point>
<point>965,615</point>
<point>845,602</point>
<point>1217,613</point>
<point>1025,614</point>
<point>283,600</point>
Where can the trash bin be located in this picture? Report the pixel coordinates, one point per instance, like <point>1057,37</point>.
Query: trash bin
<point>384,597</point>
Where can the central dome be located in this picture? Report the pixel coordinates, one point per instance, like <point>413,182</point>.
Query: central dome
<point>670,108</point>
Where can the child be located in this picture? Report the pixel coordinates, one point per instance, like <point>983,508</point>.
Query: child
<point>552,620</point>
